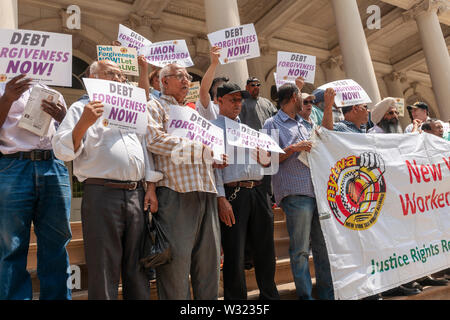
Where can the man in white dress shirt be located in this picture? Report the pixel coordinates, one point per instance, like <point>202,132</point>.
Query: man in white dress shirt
<point>113,165</point>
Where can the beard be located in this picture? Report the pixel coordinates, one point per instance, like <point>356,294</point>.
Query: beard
<point>390,126</point>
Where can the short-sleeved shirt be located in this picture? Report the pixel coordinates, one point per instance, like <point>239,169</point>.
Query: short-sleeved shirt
<point>347,126</point>
<point>255,112</point>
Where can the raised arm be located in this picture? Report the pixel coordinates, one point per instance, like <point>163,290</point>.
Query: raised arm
<point>209,77</point>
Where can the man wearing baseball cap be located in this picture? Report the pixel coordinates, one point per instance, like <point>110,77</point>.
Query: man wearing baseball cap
<point>244,209</point>
<point>418,112</point>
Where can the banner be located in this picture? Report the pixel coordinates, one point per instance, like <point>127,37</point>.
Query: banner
<point>348,93</point>
<point>185,122</point>
<point>126,58</point>
<point>384,207</point>
<point>292,65</point>
<point>237,43</point>
<point>125,106</point>
<point>241,135</point>
<point>131,39</point>
<point>162,53</point>
<point>45,57</point>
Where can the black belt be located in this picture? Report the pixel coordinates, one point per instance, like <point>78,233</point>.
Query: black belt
<point>245,184</point>
<point>34,155</point>
<point>115,184</point>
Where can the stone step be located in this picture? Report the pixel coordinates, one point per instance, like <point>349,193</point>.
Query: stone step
<point>278,214</point>
<point>280,229</point>
<point>281,247</point>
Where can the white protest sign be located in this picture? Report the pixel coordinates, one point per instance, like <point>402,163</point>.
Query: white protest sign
<point>292,65</point>
<point>131,39</point>
<point>279,82</point>
<point>241,135</point>
<point>45,57</point>
<point>237,43</point>
<point>166,52</point>
<point>185,122</point>
<point>125,106</point>
<point>126,58</point>
<point>348,93</point>
<point>384,207</point>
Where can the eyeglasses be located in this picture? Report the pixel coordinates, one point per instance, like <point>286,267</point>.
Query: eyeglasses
<point>112,74</point>
<point>256,84</point>
<point>394,112</point>
<point>308,102</point>
<point>181,76</point>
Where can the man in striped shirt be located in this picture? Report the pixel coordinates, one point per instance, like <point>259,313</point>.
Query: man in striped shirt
<point>186,197</point>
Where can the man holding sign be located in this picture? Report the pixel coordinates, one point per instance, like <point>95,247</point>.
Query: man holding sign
<point>244,210</point>
<point>112,164</point>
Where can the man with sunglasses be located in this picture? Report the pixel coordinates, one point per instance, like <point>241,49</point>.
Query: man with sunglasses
<point>355,119</point>
<point>385,116</point>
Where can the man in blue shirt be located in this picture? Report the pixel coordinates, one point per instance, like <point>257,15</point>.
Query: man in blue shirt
<point>244,210</point>
<point>355,119</point>
<point>294,191</point>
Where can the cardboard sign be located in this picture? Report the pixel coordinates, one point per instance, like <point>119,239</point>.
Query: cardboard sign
<point>400,105</point>
<point>194,92</point>
<point>45,57</point>
<point>292,65</point>
<point>126,58</point>
<point>348,93</point>
<point>131,39</point>
<point>237,43</point>
<point>185,122</point>
<point>163,53</point>
<point>241,135</point>
<point>125,106</point>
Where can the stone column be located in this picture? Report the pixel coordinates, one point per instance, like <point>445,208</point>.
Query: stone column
<point>220,15</point>
<point>435,49</point>
<point>394,86</point>
<point>353,44</point>
<point>332,69</point>
<point>8,14</point>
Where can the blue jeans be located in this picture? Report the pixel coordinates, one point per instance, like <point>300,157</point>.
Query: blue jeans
<point>37,192</point>
<point>302,220</point>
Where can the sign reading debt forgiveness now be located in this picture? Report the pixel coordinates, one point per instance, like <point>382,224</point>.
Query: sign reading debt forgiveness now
<point>348,93</point>
<point>185,122</point>
<point>131,39</point>
<point>126,58</point>
<point>237,43</point>
<point>124,105</point>
<point>45,57</point>
<point>292,65</point>
<point>166,52</point>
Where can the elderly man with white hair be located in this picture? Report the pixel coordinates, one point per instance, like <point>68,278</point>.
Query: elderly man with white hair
<point>385,116</point>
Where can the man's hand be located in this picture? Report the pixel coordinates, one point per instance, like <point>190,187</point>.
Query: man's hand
<point>262,157</point>
<point>302,146</point>
<point>16,87</point>
<point>91,112</point>
<point>416,125</point>
<point>116,43</point>
<point>214,54</point>
<point>150,198</point>
<point>300,82</point>
<point>328,97</point>
<point>142,62</point>
<point>226,214</point>
<point>222,164</point>
<point>56,110</point>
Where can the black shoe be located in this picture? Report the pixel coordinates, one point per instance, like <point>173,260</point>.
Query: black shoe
<point>401,291</point>
<point>430,281</point>
<point>374,297</point>
<point>248,265</point>
<point>413,285</point>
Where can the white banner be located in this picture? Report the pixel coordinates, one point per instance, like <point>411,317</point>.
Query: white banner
<point>131,39</point>
<point>163,53</point>
<point>126,58</point>
<point>45,57</point>
<point>185,122</point>
<point>241,135</point>
<point>348,93</point>
<point>237,43</point>
<point>292,65</point>
<point>125,106</point>
<point>384,206</point>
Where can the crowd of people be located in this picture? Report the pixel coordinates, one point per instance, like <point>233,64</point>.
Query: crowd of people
<point>205,207</point>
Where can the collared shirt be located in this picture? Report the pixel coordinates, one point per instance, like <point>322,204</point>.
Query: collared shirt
<point>293,177</point>
<point>347,126</point>
<point>104,152</point>
<point>241,166</point>
<point>14,139</point>
<point>375,129</point>
<point>180,177</point>
<point>155,94</point>
<point>256,111</point>
<point>317,115</point>
<point>410,126</point>
<point>210,112</point>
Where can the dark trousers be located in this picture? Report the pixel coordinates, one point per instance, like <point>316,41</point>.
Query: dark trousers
<point>113,226</point>
<point>254,223</point>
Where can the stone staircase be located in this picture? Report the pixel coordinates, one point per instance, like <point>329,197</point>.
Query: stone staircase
<point>283,276</point>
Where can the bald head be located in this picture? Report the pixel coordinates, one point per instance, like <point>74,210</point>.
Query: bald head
<point>106,70</point>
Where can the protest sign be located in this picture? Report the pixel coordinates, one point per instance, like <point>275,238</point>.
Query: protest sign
<point>292,65</point>
<point>400,105</point>
<point>166,52</point>
<point>241,135</point>
<point>125,106</point>
<point>131,39</point>
<point>45,57</point>
<point>384,206</point>
<point>279,82</point>
<point>237,43</point>
<point>126,58</point>
<point>185,122</point>
<point>348,93</point>
<point>194,92</point>
<point>34,118</point>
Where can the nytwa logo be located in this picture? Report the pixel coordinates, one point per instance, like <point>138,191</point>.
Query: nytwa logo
<point>356,190</point>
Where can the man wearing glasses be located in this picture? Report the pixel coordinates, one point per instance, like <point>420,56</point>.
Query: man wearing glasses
<point>385,116</point>
<point>187,199</point>
<point>355,119</point>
